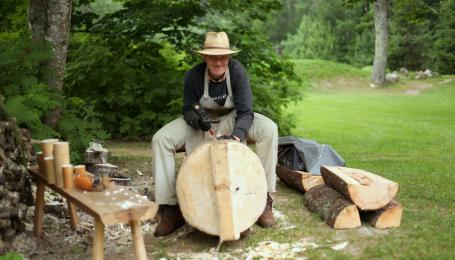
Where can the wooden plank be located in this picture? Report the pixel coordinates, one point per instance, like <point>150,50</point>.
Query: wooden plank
<point>39,209</point>
<point>367,190</point>
<point>139,247</point>
<point>111,206</point>
<point>336,210</point>
<point>219,159</point>
<point>73,215</point>
<point>386,217</point>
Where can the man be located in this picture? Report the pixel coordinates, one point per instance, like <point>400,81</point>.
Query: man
<point>217,102</point>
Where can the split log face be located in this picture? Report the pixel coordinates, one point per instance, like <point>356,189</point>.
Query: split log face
<point>336,210</point>
<point>300,180</point>
<point>386,217</point>
<point>367,190</point>
<point>222,189</point>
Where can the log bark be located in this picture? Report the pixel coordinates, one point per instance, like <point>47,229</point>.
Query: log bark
<point>336,210</point>
<point>381,42</point>
<point>386,217</point>
<point>367,190</point>
<point>102,169</point>
<point>299,180</point>
<point>96,157</point>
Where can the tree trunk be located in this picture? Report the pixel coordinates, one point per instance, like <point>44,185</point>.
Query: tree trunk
<point>336,210</point>
<point>50,20</point>
<point>381,42</point>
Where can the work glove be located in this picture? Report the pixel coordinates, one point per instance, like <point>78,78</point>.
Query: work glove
<point>226,137</point>
<point>204,120</point>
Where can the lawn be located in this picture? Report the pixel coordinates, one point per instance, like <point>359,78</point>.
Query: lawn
<point>405,137</point>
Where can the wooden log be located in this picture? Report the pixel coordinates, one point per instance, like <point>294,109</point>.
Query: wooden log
<point>386,217</point>
<point>222,190</point>
<point>300,180</point>
<point>367,190</point>
<point>102,169</point>
<point>336,210</point>
<point>95,157</point>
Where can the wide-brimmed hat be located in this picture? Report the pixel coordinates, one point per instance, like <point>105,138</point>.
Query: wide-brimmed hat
<point>216,43</point>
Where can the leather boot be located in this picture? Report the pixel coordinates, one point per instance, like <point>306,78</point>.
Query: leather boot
<point>170,218</point>
<point>266,219</point>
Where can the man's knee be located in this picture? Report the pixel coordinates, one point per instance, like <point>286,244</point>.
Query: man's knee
<point>159,137</point>
<point>269,128</point>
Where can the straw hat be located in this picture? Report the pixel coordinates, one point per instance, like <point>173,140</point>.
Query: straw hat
<point>216,43</point>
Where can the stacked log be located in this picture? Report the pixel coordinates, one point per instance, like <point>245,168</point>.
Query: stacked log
<point>14,182</point>
<point>335,209</point>
<point>372,194</point>
<point>299,180</point>
<point>345,196</point>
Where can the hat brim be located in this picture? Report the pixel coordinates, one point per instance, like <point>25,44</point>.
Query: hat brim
<point>216,51</point>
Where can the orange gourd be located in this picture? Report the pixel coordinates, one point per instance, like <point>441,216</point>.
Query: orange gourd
<point>84,182</point>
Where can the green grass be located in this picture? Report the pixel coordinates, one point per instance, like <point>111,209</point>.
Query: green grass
<point>320,69</point>
<point>409,139</point>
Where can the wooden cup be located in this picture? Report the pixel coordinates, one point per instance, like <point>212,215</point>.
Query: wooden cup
<point>61,157</point>
<point>80,170</point>
<point>49,167</point>
<point>67,170</point>
<point>47,147</point>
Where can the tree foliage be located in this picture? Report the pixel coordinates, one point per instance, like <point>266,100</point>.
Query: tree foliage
<point>130,64</point>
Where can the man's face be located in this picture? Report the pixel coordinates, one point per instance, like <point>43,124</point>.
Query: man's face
<point>217,64</point>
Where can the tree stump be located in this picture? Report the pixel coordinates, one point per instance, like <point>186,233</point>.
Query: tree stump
<point>336,210</point>
<point>367,190</point>
<point>222,189</point>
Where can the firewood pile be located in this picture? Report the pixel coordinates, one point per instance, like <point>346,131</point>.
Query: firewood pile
<point>344,197</point>
<point>14,183</point>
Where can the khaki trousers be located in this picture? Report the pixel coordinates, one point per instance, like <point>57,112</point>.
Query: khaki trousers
<point>178,133</point>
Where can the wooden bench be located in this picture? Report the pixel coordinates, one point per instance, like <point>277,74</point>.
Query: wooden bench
<point>114,205</point>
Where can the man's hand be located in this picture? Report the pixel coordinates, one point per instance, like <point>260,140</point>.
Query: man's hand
<point>204,120</point>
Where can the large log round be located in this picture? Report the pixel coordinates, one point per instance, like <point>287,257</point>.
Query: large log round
<point>222,189</point>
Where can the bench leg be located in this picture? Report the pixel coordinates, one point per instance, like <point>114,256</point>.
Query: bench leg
<point>138,241</point>
<point>73,215</point>
<point>39,209</point>
<point>98,241</point>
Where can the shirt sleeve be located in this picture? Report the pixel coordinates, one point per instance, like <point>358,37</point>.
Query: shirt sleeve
<point>243,100</point>
<point>190,97</point>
